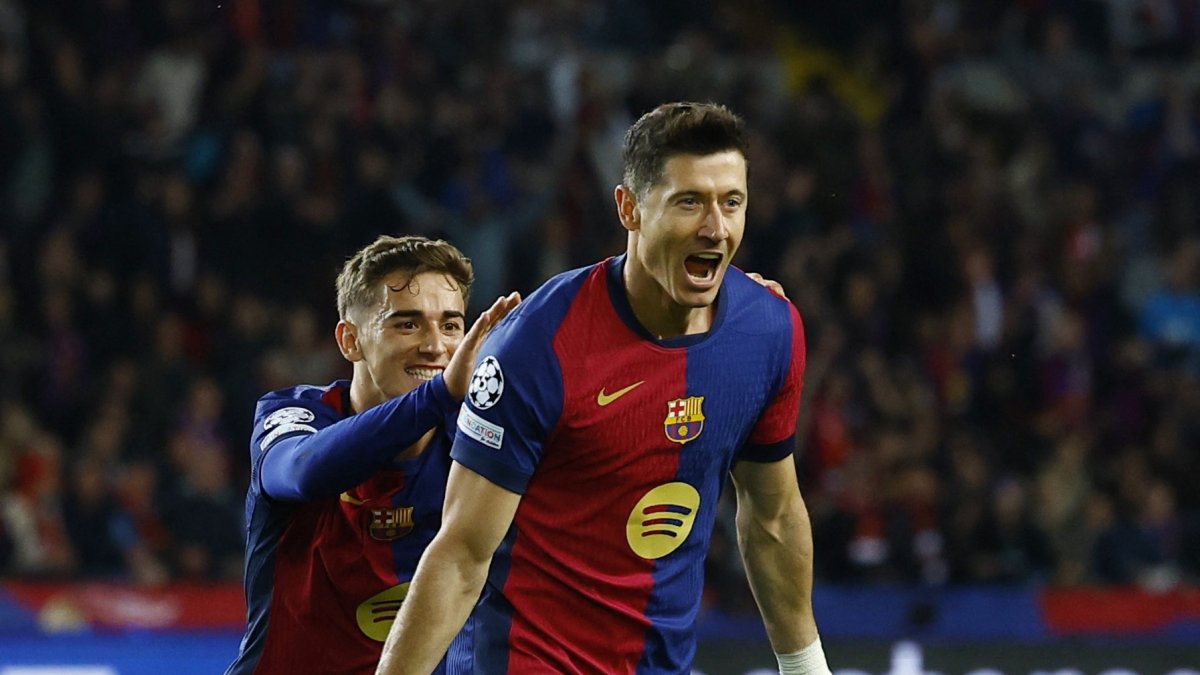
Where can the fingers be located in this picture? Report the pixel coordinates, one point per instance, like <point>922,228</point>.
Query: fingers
<point>458,372</point>
<point>492,316</point>
<point>501,308</point>
<point>770,284</point>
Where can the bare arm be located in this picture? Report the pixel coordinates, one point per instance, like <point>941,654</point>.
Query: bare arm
<point>775,539</point>
<point>451,574</point>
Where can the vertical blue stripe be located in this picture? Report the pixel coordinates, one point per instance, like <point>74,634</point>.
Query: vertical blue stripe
<point>482,647</point>
<point>424,490</point>
<point>736,370</point>
<point>266,528</point>
<point>670,642</point>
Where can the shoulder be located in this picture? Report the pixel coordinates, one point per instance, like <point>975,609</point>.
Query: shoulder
<point>543,311</point>
<point>520,350</point>
<point>300,404</point>
<point>755,310</point>
<point>553,298</point>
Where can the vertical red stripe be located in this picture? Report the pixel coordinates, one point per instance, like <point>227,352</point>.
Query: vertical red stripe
<point>334,397</point>
<point>779,420</point>
<point>322,572</point>
<point>579,592</point>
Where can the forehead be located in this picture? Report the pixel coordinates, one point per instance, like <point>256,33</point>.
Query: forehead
<point>431,292</point>
<point>719,172</point>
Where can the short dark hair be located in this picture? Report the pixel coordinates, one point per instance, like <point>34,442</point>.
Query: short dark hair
<point>681,128</point>
<point>357,284</point>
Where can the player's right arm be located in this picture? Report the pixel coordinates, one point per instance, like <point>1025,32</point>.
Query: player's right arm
<point>514,401</point>
<point>302,452</point>
<point>318,456</point>
<point>451,574</point>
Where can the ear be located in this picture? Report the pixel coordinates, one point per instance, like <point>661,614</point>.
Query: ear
<point>346,334</point>
<point>627,208</point>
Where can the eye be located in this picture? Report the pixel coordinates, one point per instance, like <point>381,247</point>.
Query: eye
<point>406,325</point>
<point>733,203</point>
<point>689,202</point>
<point>452,327</point>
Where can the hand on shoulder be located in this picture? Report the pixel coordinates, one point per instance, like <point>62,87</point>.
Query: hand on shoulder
<point>458,371</point>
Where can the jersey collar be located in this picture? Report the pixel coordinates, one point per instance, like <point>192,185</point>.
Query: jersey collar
<point>620,301</point>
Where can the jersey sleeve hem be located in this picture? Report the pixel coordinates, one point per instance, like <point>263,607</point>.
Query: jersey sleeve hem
<point>766,453</point>
<point>475,457</point>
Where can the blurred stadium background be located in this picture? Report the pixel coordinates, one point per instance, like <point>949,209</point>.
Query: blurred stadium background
<point>987,211</point>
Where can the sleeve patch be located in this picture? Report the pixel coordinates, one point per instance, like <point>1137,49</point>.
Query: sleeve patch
<point>290,415</point>
<point>285,429</point>
<point>487,384</point>
<point>479,429</point>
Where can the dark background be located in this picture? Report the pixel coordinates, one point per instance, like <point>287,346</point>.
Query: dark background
<point>987,212</point>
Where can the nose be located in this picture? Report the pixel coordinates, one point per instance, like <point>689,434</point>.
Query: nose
<point>716,225</point>
<point>434,343</point>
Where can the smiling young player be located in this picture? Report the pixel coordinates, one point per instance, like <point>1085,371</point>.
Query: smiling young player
<point>347,479</point>
<point>601,422</point>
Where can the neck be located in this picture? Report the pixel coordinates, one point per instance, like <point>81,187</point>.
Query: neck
<point>363,395</point>
<point>656,310</point>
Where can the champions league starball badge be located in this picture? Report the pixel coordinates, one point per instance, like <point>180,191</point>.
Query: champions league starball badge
<point>487,384</point>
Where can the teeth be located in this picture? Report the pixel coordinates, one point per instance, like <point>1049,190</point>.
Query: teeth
<point>423,373</point>
<point>709,256</point>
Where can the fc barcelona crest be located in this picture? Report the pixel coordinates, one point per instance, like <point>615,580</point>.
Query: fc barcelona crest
<point>685,418</point>
<point>389,524</point>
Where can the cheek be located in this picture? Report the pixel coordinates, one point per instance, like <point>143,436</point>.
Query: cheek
<point>666,238</point>
<point>397,347</point>
<point>738,231</point>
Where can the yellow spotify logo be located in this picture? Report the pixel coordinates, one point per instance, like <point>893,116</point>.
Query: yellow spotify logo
<point>376,614</point>
<point>662,520</point>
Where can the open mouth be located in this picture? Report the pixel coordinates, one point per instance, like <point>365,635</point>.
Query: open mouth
<point>423,372</point>
<point>702,267</point>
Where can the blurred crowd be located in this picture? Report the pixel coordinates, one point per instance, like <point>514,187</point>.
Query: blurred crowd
<point>988,213</point>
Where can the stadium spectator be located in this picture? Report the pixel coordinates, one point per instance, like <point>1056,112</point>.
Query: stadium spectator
<point>917,168</point>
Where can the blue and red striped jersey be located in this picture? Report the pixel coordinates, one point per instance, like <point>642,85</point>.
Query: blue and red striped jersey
<point>619,444</point>
<point>335,525</point>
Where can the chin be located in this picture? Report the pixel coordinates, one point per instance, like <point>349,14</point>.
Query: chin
<point>694,299</point>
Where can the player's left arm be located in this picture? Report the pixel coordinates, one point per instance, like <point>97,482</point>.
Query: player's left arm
<point>775,538</point>
<point>773,528</point>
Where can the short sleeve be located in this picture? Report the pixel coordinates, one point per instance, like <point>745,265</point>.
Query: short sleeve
<point>514,402</point>
<point>774,435</point>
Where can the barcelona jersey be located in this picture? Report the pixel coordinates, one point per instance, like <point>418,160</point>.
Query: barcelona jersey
<point>619,444</point>
<point>336,525</point>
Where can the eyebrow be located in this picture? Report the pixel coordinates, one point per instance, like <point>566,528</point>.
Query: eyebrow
<point>701,193</point>
<point>416,313</point>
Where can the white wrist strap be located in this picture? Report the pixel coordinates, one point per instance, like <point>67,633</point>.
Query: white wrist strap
<point>807,661</point>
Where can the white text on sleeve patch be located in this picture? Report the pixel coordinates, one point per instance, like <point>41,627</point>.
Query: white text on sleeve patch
<point>291,415</point>
<point>285,421</point>
<point>285,429</point>
<point>476,427</point>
